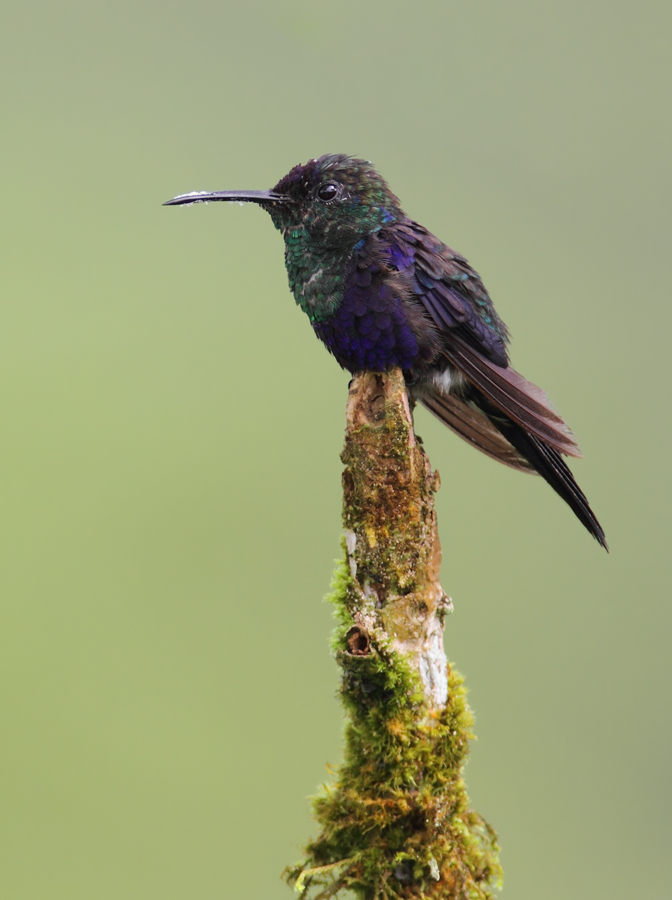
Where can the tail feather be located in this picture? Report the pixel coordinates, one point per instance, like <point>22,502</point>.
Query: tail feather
<point>519,399</point>
<point>474,427</point>
<point>480,422</point>
<point>552,467</point>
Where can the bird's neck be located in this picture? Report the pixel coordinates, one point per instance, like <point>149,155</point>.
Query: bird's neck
<point>316,274</point>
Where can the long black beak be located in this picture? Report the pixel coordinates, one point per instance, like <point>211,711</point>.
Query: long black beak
<point>234,196</point>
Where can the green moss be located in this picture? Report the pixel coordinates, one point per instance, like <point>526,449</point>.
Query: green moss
<point>340,597</point>
<point>396,822</point>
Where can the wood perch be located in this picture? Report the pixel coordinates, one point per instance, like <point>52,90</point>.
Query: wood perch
<point>391,535</point>
<point>395,822</point>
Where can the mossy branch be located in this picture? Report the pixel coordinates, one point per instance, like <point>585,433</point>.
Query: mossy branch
<point>395,821</point>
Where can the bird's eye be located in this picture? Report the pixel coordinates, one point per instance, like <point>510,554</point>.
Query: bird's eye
<point>328,191</point>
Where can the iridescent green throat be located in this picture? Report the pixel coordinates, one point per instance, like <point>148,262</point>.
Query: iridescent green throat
<point>316,274</point>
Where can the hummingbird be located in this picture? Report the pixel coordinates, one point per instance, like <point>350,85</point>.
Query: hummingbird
<point>381,291</point>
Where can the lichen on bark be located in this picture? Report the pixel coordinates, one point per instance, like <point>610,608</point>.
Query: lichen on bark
<point>395,821</point>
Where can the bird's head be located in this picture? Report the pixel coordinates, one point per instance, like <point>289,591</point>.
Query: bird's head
<point>332,201</point>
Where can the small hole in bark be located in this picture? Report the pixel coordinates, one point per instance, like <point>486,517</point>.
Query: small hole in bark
<point>358,642</point>
<point>377,408</point>
<point>404,872</point>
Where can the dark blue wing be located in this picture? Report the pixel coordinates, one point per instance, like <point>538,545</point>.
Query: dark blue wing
<point>449,289</point>
<point>530,435</point>
<point>472,334</point>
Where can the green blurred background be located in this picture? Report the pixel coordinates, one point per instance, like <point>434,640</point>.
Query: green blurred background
<point>171,429</point>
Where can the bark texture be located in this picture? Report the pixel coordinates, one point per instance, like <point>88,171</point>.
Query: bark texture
<point>391,533</point>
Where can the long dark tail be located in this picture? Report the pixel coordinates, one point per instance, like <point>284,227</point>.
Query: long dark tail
<point>488,428</point>
<point>552,467</point>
